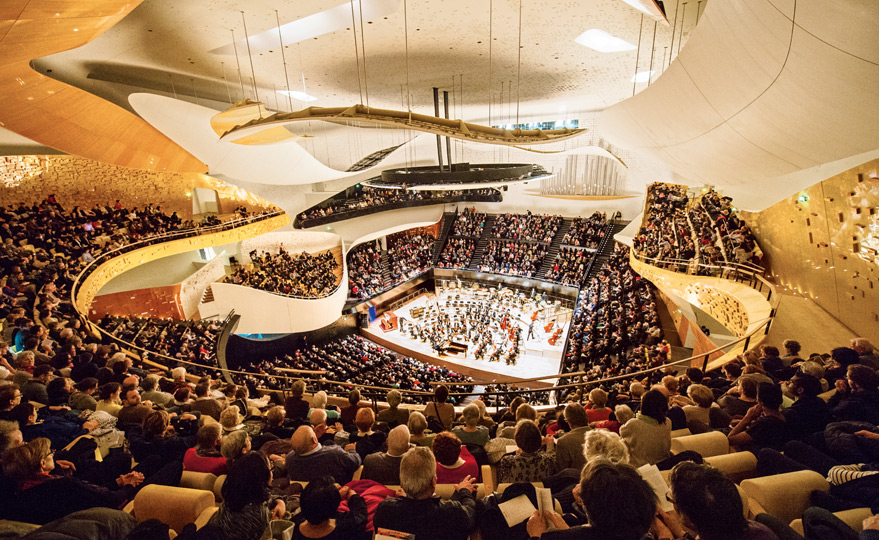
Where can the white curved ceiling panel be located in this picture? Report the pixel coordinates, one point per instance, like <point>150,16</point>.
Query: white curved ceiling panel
<point>189,125</point>
<point>738,107</point>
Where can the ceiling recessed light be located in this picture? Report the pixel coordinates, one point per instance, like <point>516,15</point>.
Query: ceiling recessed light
<point>601,41</point>
<point>76,29</point>
<point>297,95</point>
<point>642,76</point>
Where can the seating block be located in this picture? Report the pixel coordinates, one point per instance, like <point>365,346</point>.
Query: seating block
<point>713,443</point>
<point>785,496</point>
<point>175,506</point>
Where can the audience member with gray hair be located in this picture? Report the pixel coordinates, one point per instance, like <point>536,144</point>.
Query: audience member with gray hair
<point>419,512</point>
<point>471,432</point>
<point>384,467</point>
<point>235,445</point>
<point>319,401</point>
<point>417,426</point>
<point>601,443</point>
<point>393,416</point>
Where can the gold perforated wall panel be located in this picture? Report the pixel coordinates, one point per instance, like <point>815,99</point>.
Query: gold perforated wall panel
<point>823,243</point>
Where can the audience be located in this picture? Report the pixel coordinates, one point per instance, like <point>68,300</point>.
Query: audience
<point>409,255</point>
<point>365,270</point>
<point>305,275</point>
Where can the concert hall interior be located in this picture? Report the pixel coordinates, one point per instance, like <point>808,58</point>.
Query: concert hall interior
<point>552,266</point>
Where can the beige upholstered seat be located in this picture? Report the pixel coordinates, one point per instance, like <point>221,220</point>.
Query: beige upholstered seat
<point>785,496</point>
<point>175,506</point>
<point>737,466</point>
<point>853,518</point>
<point>713,443</point>
<point>198,480</point>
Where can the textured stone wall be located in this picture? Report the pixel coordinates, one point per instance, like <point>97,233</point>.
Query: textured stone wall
<point>77,181</point>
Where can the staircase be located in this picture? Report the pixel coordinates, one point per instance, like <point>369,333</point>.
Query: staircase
<point>482,243</point>
<point>386,268</point>
<point>448,221</point>
<point>208,295</point>
<point>605,248</point>
<point>554,248</point>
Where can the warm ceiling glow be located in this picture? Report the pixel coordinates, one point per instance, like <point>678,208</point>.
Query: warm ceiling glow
<point>642,76</point>
<point>601,41</point>
<point>297,95</point>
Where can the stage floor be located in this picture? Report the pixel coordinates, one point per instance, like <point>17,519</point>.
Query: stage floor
<point>536,358</point>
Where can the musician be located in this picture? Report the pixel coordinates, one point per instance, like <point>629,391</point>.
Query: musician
<point>531,329</point>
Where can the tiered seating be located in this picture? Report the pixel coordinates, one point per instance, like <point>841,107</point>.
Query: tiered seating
<point>409,255</point>
<point>303,275</point>
<point>364,270</point>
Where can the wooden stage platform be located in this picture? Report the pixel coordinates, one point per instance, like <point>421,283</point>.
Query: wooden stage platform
<point>538,357</point>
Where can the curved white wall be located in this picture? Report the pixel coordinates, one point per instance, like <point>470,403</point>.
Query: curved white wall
<point>763,88</point>
<point>263,312</point>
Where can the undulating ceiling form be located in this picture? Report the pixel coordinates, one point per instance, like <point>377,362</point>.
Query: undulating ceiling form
<point>763,88</point>
<point>64,117</point>
<point>244,111</point>
<point>361,114</point>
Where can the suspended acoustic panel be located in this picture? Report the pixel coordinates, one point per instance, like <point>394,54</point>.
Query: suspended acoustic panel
<point>244,111</point>
<point>64,117</point>
<point>360,114</point>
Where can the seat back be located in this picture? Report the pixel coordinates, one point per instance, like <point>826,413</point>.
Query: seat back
<point>198,480</point>
<point>175,506</point>
<point>445,491</point>
<point>737,466</point>
<point>713,443</point>
<point>785,496</point>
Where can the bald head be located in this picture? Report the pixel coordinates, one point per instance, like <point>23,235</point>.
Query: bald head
<point>317,417</point>
<point>398,441</point>
<point>303,440</point>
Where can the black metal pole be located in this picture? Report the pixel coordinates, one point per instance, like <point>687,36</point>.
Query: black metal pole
<point>448,140</point>
<point>439,139</point>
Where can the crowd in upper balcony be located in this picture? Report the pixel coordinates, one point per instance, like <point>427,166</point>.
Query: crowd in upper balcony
<point>306,275</point>
<point>365,197</point>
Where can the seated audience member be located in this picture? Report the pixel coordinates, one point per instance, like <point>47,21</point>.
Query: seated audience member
<point>419,512</point>
<point>277,423</point>
<point>319,505</point>
<point>317,419</point>
<point>453,461</point>
<point>439,409</point>
<point>295,406</point>
<point>709,506</point>
<point>745,397</point>
<point>110,402</point>
<point>384,467</point>
<point>792,353</point>
<point>484,418</point>
<point>35,388</point>
<point>523,412</point>
<point>230,420</point>
<point>310,460</point>
<point>319,401</point>
<point>204,403</point>
<point>597,411</point>
<point>772,362</point>
<point>234,445</point>
<point>867,356</point>
<point>569,448</point>
<point>206,457</point>
<point>59,390</point>
<point>699,415</point>
<point>247,508</point>
<point>10,397</point>
<point>133,410</point>
<point>648,435</point>
<point>151,392</point>
<point>471,432</point>
<point>842,357</point>
<point>417,426</point>
<point>157,437</point>
<point>529,463</point>
<point>42,497</point>
<point>366,441</point>
<point>600,443</point>
<point>618,503</point>
<point>857,397</point>
<point>347,414</point>
<point>764,425</point>
<point>83,398</point>
<point>809,413</point>
<point>393,416</point>
<point>61,430</point>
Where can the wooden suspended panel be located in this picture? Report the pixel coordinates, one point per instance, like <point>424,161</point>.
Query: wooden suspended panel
<point>62,116</point>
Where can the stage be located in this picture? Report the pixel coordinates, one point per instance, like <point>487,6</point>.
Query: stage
<point>489,308</point>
